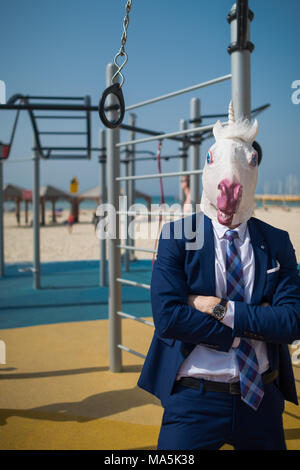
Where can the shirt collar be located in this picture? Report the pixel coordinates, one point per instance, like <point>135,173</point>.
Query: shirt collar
<point>221,229</point>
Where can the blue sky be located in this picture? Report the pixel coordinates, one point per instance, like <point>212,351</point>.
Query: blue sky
<point>61,47</point>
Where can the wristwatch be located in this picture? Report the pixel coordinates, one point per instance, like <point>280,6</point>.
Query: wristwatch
<point>219,310</point>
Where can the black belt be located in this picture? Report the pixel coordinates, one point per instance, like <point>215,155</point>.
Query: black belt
<point>232,388</point>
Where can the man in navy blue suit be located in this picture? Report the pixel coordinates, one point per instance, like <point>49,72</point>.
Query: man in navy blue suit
<point>225,294</point>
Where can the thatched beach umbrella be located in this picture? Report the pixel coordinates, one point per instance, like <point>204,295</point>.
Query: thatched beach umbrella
<point>53,194</point>
<point>93,194</point>
<point>12,192</point>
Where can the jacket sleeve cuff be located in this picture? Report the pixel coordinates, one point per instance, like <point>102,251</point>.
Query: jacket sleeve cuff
<point>228,320</point>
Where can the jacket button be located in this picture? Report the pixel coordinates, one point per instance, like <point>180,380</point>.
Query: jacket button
<point>185,351</point>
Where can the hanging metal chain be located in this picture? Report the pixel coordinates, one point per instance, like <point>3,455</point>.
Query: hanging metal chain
<point>122,52</point>
<point>116,88</point>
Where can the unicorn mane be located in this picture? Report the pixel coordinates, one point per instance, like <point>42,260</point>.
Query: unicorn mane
<point>240,129</point>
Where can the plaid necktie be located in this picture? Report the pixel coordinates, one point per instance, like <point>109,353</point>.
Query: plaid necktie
<point>250,379</point>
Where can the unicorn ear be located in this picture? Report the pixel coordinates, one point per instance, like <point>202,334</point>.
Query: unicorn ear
<point>253,131</point>
<point>217,130</point>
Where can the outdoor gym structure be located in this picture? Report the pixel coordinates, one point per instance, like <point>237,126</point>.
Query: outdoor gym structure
<point>189,138</point>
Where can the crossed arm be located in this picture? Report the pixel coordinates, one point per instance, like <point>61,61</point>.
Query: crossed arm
<point>187,318</point>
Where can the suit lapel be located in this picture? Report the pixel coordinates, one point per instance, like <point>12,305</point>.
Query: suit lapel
<point>206,259</point>
<point>260,250</point>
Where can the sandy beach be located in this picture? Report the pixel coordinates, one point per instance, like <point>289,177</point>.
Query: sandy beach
<point>82,244</point>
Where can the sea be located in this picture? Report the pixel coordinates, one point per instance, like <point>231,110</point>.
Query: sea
<point>9,206</point>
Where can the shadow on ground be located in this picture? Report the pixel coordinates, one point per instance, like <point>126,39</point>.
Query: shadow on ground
<point>93,407</point>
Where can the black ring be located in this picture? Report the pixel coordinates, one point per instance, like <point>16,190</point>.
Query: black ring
<point>115,90</point>
<point>258,149</point>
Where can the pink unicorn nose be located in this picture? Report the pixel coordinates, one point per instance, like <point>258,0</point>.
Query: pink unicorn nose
<point>230,194</point>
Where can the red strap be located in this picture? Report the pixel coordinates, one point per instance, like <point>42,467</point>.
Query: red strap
<point>162,197</point>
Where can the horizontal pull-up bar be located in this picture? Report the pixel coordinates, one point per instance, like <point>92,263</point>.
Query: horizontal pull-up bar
<point>139,130</point>
<point>179,92</point>
<point>156,214</point>
<point>62,133</point>
<point>133,283</point>
<point>94,149</point>
<point>63,98</point>
<point>197,130</point>
<point>134,248</point>
<point>131,351</point>
<point>224,115</point>
<point>49,107</point>
<point>133,317</point>
<point>59,117</point>
<point>165,157</point>
<point>66,157</point>
<point>159,175</point>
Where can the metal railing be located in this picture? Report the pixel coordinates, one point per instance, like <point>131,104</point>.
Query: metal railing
<point>196,130</point>
<point>179,92</point>
<point>159,175</point>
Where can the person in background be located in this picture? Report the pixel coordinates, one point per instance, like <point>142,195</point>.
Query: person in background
<point>185,185</point>
<point>70,222</point>
<point>95,220</point>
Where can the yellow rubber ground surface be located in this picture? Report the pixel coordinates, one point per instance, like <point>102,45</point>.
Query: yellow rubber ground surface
<point>57,391</point>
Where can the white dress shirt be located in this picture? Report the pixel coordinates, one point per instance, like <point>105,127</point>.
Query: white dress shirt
<point>211,364</point>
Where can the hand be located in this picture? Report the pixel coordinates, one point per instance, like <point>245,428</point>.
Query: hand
<point>204,303</point>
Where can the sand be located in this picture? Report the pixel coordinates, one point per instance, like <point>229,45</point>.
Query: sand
<point>83,244</point>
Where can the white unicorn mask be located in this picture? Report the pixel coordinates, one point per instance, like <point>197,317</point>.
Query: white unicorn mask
<point>230,172</point>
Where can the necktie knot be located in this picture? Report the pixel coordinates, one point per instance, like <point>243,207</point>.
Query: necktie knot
<point>230,235</point>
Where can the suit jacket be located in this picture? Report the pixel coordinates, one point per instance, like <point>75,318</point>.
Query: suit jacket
<point>179,272</point>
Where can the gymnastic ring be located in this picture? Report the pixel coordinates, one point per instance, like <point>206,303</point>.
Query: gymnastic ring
<point>115,90</point>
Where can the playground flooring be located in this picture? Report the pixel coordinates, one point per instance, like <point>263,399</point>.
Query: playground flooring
<point>57,391</point>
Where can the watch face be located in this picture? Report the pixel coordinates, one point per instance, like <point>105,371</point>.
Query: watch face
<point>218,311</point>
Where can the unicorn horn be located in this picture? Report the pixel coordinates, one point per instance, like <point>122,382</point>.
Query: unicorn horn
<point>231,118</point>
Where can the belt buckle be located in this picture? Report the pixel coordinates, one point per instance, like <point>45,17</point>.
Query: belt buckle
<point>234,388</point>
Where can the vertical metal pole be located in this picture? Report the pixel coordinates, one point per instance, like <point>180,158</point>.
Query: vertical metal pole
<point>2,266</point>
<point>87,102</point>
<point>240,49</point>
<point>182,160</point>
<point>195,156</point>
<point>36,219</point>
<point>131,183</point>
<point>103,198</point>
<point>125,217</point>
<point>114,253</point>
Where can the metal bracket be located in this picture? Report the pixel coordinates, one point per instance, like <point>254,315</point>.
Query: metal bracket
<point>241,14</point>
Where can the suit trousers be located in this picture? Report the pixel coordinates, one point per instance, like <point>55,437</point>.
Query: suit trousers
<point>205,420</point>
